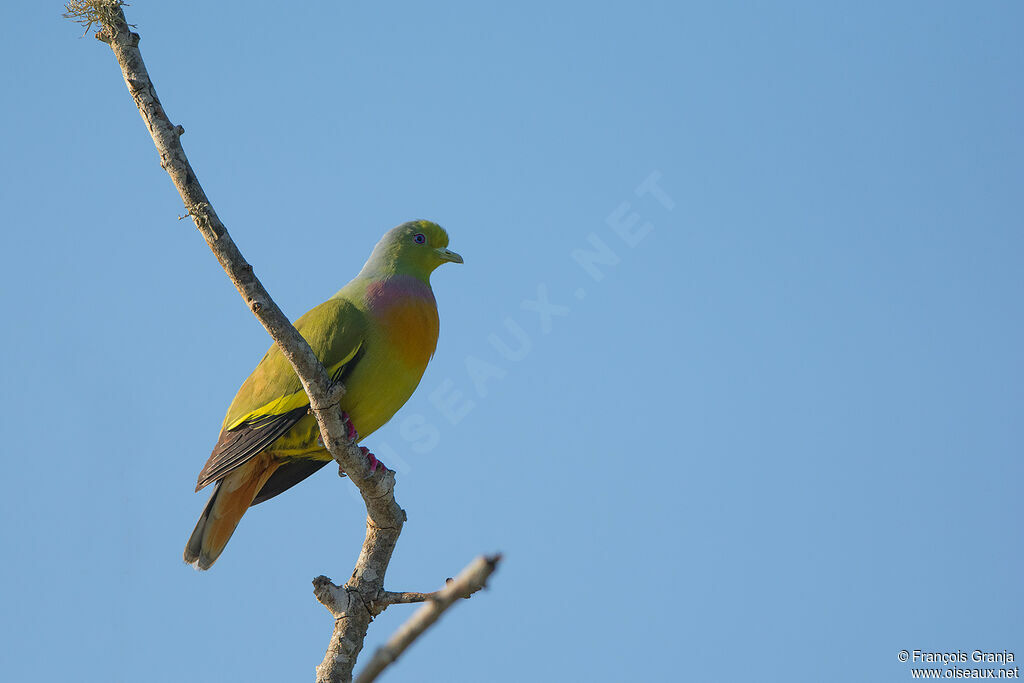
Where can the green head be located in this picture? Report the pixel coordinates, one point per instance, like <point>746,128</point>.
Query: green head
<point>414,248</point>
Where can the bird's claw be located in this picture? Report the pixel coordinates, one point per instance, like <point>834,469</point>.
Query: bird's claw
<point>350,429</point>
<point>374,462</point>
<point>353,436</point>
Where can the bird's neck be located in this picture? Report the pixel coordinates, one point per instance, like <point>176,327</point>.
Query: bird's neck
<point>386,262</point>
<point>387,292</point>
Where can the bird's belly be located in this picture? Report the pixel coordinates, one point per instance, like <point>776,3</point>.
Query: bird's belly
<point>373,394</point>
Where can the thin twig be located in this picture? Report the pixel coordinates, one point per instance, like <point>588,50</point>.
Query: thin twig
<point>404,598</point>
<point>470,580</point>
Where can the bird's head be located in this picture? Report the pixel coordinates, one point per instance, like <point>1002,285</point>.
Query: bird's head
<point>413,248</point>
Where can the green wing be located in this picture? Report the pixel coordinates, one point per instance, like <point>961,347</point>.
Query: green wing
<point>271,400</point>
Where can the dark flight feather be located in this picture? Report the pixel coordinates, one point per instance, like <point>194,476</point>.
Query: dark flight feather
<point>236,446</point>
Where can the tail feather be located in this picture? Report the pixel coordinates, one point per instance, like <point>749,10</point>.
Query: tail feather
<point>195,542</point>
<point>231,497</point>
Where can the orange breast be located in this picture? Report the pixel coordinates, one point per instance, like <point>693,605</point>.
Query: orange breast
<point>411,329</point>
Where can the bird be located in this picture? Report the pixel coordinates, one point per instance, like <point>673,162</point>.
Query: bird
<point>375,335</point>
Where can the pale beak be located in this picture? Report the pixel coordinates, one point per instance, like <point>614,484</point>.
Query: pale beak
<point>448,255</point>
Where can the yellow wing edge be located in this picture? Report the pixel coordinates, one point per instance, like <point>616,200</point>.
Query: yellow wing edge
<point>289,402</point>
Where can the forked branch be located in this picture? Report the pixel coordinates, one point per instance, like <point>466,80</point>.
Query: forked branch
<point>469,581</point>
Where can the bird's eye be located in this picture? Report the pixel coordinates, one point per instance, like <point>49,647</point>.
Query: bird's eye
<point>419,238</point>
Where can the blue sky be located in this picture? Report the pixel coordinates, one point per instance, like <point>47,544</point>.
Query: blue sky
<point>778,439</point>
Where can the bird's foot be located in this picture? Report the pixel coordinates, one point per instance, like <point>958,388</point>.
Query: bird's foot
<point>350,429</point>
<point>374,462</point>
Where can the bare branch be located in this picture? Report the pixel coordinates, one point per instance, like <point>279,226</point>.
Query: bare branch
<point>469,581</point>
<point>407,598</point>
<point>356,603</point>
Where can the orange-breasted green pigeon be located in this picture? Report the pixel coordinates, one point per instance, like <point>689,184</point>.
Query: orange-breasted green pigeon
<point>375,335</point>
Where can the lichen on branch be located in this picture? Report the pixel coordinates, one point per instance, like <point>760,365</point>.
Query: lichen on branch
<point>89,12</point>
